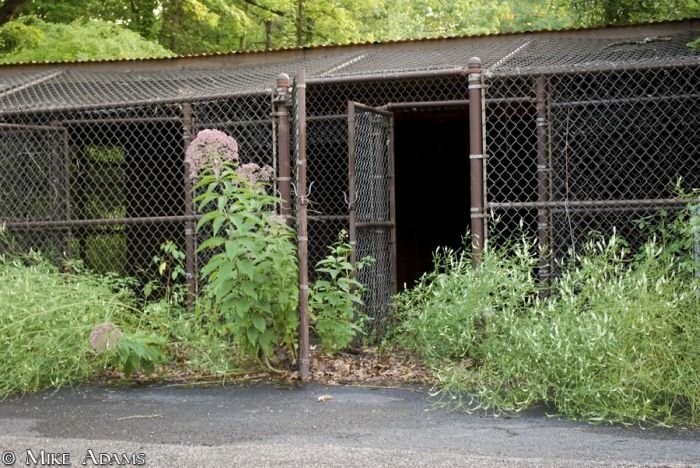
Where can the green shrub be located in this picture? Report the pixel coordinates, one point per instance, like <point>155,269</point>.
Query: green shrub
<point>335,298</point>
<point>46,321</point>
<point>453,308</point>
<point>617,340</point>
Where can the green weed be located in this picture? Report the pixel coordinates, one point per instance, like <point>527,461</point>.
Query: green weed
<point>617,340</point>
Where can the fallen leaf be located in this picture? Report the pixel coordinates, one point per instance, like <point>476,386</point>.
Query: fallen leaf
<point>324,398</point>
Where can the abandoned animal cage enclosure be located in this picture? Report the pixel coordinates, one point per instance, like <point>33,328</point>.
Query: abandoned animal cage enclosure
<point>404,146</point>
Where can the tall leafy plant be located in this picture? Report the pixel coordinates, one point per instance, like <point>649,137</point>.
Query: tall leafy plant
<point>250,278</point>
<point>336,297</point>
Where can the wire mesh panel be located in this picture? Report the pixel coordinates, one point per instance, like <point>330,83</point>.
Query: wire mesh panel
<point>35,184</point>
<point>576,153</point>
<point>372,228</point>
<point>108,186</point>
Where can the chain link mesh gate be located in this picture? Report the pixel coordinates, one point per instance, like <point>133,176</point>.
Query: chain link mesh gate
<point>372,205</point>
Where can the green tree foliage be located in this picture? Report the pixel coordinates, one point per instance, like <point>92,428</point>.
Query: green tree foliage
<point>601,12</point>
<point>206,26</point>
<point>31,39</point>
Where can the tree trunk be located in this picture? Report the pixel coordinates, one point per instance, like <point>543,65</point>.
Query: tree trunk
<point>10,8</point>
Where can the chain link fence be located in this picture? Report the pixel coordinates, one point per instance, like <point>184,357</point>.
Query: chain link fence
<point>581,134</point>
<point>108,187</point>
<point>573,154</point>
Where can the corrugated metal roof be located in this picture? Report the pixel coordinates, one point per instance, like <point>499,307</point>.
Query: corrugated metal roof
<point>353,44</point>
<point>73,86</point>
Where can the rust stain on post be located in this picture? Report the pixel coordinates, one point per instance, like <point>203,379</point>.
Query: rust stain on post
<point>476,157</point>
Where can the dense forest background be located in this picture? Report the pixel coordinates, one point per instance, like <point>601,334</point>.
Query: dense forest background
<point>92,29</point>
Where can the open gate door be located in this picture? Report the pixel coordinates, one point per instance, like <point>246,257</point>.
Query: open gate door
<point>372,204</point>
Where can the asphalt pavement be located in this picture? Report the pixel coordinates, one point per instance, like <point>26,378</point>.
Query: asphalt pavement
<point>310,425</point>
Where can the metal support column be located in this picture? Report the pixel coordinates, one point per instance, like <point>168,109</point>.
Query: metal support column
<point>302,229</point>
<point>543,183</point>
<point>190,248</point>
<point>476,157</point>
<point>281,114</point>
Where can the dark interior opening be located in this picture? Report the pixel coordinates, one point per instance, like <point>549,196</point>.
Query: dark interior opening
<point>432,187</point>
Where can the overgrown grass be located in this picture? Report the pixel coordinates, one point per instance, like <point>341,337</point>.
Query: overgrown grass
<point>617,340</point>
<point>45,323</point>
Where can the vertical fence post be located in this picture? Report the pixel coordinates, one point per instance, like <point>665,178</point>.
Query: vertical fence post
<point>476,157</point>
<point>302,228</point>
<point>543,176</point>
<point>281,114</point>
<point>352,196</point>
<point>392,207</point>
<point>190,260</point>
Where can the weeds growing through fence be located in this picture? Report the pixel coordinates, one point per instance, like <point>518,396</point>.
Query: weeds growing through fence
<point>617,340</point>
<point>336,297</point>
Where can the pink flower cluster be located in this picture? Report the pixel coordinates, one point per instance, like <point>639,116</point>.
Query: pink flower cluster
<point>105,336</point>
<point>210,148</point>
<point>254,173</point>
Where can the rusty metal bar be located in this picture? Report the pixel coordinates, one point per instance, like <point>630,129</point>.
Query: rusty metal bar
<point>362,78</point>
<point>374,110</point>
<point>237,123</point>
<point>29,127</point>
<point>451,104</point>
<point>402,106</point>
<point>617,209</point>
<point>660,202</point>
<point>322,118</point>
<point>31,83</point>
<point>642,100</point>
<point>608,67</point>
<point>69,223</point>
<point>284,177</point>
<point>375,224</point>
<point>302,229</point>
<point>392,208</point>
<point>352,195</point>
<point>139,103</point>
<point>99,121</point>
<point>543,182</point>
<point>476,157</point>
<point>328,218</point>
<point>190,240</point>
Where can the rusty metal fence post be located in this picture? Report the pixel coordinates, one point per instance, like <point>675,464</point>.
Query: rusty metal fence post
<point>190,248</point>
<point>302,228</point>
<point>281,115</point>
<point>352,196</point>
<point>476,158</point>
<point>543,183</point>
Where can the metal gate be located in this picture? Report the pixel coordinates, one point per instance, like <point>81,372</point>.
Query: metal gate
<point>372,204</point>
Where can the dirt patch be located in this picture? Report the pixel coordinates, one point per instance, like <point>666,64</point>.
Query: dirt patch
<point>368,366</point>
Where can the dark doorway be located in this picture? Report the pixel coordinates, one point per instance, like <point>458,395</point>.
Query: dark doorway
<point>432,187</point>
